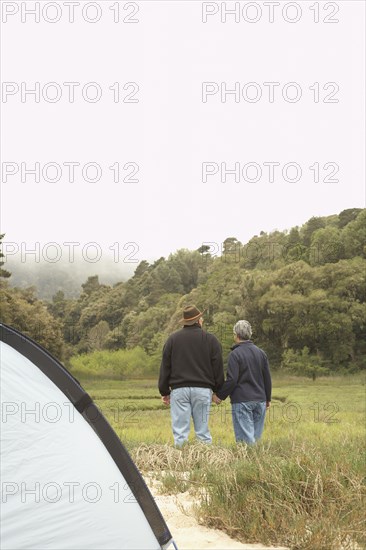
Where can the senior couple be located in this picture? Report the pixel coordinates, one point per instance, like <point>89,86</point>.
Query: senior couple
<point>192,376</point>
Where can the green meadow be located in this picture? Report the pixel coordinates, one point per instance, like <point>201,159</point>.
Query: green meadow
<point>302,485</point>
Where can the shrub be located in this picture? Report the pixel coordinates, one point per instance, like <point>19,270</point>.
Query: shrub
<point>119,365</point>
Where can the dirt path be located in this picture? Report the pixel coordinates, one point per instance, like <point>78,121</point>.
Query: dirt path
<point>187,533</point>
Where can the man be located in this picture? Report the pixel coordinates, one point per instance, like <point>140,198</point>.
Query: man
<point>249,385</point>
<point>191,369</point>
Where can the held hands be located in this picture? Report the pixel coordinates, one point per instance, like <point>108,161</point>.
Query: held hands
<point>216,399</point>
<point>166,399</point>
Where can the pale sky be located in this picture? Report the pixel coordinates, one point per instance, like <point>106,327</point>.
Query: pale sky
<point>172,70</point>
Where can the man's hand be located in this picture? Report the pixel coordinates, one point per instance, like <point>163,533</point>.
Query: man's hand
<point>216,399</point>
<point>268,404</point>
<point>166,399</point>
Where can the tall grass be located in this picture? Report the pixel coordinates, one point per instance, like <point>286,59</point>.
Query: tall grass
<point>288,493</point>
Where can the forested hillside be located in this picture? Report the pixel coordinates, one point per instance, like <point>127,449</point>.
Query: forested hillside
<point>303,290</point>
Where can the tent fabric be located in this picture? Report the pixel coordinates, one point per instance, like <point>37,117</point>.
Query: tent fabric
<point>67,481</point>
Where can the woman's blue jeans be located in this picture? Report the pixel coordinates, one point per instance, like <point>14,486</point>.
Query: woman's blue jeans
<point>248,420</point>
<point>187,402</point>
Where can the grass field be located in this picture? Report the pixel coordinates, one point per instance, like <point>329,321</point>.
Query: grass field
<point>303,485</point>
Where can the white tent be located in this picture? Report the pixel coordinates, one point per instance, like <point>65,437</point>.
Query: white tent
<point>68,483</point>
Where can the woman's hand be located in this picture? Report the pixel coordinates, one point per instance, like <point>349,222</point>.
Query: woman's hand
<point>166,399</point>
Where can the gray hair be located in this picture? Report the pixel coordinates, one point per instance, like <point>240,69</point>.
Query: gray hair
<point>243,330</point>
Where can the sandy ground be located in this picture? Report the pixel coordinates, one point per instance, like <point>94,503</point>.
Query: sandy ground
<point>187,533</point>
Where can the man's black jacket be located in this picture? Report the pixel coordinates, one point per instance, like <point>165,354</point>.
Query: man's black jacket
<point>191,358</point>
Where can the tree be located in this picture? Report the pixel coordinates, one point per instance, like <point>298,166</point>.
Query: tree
<point>98,335</point>
<point>91,285</point>
<point>3,272</point>
<point>141,268</point>
<point>231,250</point>
<point>347,216</point>
<point>354,236</point>
<point>58,305</point>
<point>187,264</point>
<point>303,363</point>
<point>326,246</point>
<point>204,249</point>
<point>308,229</point>
<point>22,310</point>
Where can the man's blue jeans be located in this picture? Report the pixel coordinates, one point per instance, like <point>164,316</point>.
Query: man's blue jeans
<point>187,402</point>
<point>248,420</point>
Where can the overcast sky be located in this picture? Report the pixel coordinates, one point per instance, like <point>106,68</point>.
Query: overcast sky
<point>149,101</point>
